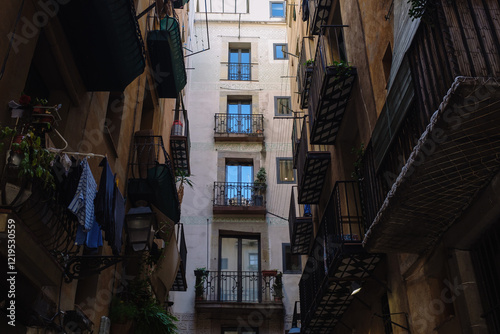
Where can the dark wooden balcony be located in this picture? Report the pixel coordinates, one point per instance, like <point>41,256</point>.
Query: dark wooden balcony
<point>180,283</point>
<point>108,49</point>
<point>300,225</point>
<point>319,10</point>
<point>151,175</point>
<point>180,143</point>
<point>427,162</point>
<point>336,260</point>
<point>238,198</point>
<point>167,57</point>
<point>312,167</point>
<point>331,86</point>
<point>247,128</point>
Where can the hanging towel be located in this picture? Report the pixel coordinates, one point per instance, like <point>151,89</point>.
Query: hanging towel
<point>92,238</point>
<point>82,204</point>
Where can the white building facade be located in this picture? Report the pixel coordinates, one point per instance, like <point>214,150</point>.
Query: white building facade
<point>238,98</point>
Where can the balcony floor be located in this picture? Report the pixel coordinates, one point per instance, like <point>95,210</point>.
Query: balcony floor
<point>329,109</point>
<point>313,178</point>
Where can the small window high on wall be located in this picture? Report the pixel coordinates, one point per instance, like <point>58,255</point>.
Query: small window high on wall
<point>223,6</point>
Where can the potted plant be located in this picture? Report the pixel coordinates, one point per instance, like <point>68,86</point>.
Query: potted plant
<point>201,275</point>
<point>278,287</point>
<point>259,187</point>
<point>182,177</point>
<point>309,63</point>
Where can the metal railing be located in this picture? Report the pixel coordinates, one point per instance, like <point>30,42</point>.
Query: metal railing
<point>237,194</point>
<point>237,286</point>
<point>301,153</point>
<point>147,152</point>
<point>342,223</point>
<point>296,139</point>
<point>239,124</point>
<point>304,72</point>
<point>239,71</point>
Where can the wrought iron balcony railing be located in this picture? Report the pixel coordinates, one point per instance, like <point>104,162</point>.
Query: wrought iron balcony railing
<point>180,280</point>
<point>319,11</point>
<point>239,71</point>
<point>251,125</point>
<point>300,225</point>
<point>237,194</point>
<point>335,260</point>
<point>304,73</point>
<point>236,286</point>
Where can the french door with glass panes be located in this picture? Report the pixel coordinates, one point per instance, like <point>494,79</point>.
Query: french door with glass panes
<point>239,117</point>
<point>239,186</point>
<point>239,269</point>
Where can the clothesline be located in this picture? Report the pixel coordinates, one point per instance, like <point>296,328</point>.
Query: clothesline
<point>90,155</point>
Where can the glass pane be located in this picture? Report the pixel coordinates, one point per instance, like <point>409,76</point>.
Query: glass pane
<point>233,56</point>
<point>245,57</point>
<point>292,262</point>
<point>277,10</point>
<point>278,51</point>
<point>250,266</point>
<point>286,170</point>
<point>283,106</point>
<point>227,283</point>
<point>233,119</point>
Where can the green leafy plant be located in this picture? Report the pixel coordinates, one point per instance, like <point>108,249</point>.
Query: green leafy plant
<point>201,275</point>
<point>358,164</point>
<point>259,183</point>
<point>309,62</point>
<point>343,68</point>
<point>35,161</point>
<point>136,303</point>
<point>182,178</point>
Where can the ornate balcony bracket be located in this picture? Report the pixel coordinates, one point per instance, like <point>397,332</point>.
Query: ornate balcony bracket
<point>79,267</point>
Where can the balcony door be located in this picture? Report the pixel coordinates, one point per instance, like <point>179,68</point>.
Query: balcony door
<point>239,64</point>
<point>239,181</point>
<point>239,117</point>
<point>239,266</point>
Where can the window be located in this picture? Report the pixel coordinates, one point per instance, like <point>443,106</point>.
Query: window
<point>239,116</point>
<point>239,183</point>
<point>277,8</point>
<point>285,172</point>
<point>239,64</point>
<point>291,263</point>
<point>280,51</point>
<point>237,280</point>
<point>282,106</point>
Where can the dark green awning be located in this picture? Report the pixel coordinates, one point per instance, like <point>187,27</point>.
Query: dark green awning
<point>106,42</point>
<point>167,59</point>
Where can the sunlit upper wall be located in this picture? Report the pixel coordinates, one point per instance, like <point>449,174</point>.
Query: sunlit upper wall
<point>250,10</point>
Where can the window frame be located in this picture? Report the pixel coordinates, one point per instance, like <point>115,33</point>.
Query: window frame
<point>282,3</point>
<point>285,270</point>
<point>278,176</point>
<point>285,54</point>
<point>276,106</point>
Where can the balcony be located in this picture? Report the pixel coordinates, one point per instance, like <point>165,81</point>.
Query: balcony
<point>179,3</point>
<point>237,198</point>
<point>238,127</point>
<point>151,176</point>
<point>337,258</point>
<point>319,10</point>
<point>311,170</point>
<point>180,283</point>
<point>167,59</point>
<point>456,156</point>
<point>180,143</point>
<point>300,225</point>
<point>239,71</point>
<point>435,145</point>
<point>237,291</point>
<point>331,87</point>
<point>304,73</point>
<point>108,49</point>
